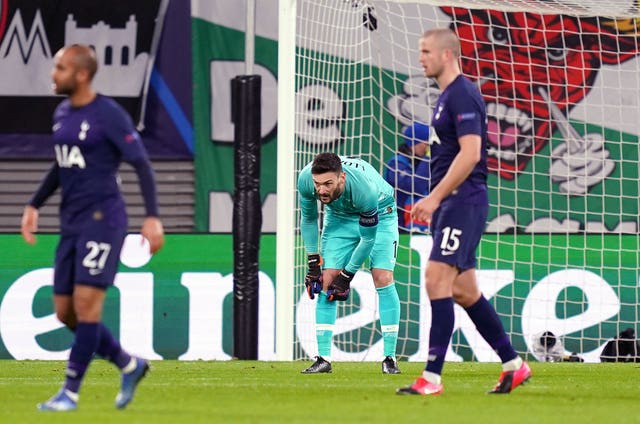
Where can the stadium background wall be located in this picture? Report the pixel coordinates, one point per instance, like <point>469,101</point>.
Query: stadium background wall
<point>178,305</point>
<point>156,309</point>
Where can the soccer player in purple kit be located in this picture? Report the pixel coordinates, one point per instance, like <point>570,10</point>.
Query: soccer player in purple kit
<point>457,208</point>
<point>92,135</point>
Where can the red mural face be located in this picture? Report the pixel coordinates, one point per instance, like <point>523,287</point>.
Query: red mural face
<point>533,69</point>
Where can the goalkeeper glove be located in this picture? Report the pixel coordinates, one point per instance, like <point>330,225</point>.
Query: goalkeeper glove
<point>340,286</point>
<point>313,279</point>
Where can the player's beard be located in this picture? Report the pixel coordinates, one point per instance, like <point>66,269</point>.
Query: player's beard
<point>434,69</point>
<point>431,72</point>
<point>326,199</point>
<point>332,196</point>
<point>64,89</point>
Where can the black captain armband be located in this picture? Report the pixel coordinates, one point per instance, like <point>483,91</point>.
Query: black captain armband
<point>369,220</point>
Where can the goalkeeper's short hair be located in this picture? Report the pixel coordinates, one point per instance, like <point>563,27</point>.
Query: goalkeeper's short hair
<point>326,162</point>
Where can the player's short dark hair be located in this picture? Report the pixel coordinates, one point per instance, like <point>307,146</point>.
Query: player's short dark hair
<point>326,162</point>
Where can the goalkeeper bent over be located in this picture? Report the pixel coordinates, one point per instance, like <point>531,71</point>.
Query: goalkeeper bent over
<point>360,223</point>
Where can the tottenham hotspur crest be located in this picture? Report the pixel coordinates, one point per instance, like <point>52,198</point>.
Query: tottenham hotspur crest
<point>84,127</point>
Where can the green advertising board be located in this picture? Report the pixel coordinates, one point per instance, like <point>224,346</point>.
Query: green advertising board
<point>179,304</point>
<point>158,301</point>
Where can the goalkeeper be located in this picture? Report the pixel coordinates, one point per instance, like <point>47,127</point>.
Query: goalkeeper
<point>360,222</point>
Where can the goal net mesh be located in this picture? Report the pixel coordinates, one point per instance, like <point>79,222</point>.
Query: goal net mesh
<point>561,81</point>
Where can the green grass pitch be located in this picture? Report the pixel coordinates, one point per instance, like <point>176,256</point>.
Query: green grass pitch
<point>276,392</point>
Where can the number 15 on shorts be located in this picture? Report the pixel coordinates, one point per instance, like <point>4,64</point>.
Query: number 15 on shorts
<point>450,241</point>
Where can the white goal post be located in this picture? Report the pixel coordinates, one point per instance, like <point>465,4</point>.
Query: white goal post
<point>561,80</point>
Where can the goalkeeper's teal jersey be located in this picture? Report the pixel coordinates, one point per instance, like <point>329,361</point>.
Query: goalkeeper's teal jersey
<point>366,195</point>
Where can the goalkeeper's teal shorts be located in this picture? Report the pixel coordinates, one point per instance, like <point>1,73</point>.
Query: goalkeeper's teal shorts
<point>341,235</point>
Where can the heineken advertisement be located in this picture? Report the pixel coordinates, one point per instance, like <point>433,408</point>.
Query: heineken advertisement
<point>178,304</point>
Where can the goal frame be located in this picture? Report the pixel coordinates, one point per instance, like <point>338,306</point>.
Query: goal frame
<point>286,186</point>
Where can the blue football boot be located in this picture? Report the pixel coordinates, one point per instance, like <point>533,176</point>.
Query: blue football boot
<point>64,400</point>
<point>130,381</point>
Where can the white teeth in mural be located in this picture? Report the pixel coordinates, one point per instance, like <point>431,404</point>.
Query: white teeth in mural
<point>524,144</point>
<point>27,57</point>
<point>510,115</point>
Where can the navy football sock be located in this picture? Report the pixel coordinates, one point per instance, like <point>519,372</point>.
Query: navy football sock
<point>490,327</point>
<point>442,317</point>
<point>109,348</point>
<point>82,350</point>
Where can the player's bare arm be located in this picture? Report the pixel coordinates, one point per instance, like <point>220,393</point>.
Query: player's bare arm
<point>29,224</point>
<point>458,172</point>
<point>153,231</point>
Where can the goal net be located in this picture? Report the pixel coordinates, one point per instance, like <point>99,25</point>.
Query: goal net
<point>561,81</point>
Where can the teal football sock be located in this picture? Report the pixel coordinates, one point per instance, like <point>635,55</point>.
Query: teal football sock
<point>325,320</point>
<point>389,307</point>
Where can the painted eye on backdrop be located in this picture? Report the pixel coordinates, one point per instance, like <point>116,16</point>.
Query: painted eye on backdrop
<point>556,54</point>
<point>498,35</point>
